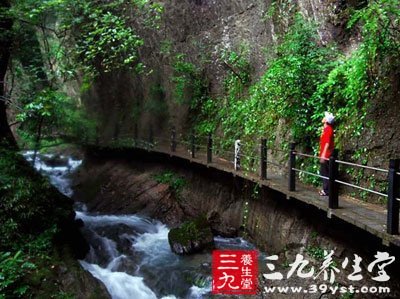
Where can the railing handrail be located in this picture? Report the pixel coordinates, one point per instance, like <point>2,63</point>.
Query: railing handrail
<point>311,173</point>
<point>306,155</point>
<point>194,142</point>
<point>344,162</point>
<point>297,153</point>
<point>339,181</point>
<point>362,166</point>
<point>361,188</point>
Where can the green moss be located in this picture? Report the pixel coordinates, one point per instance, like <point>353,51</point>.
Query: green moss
<point>316,252</point>
<point>191,231</point>
<point>175,182</point>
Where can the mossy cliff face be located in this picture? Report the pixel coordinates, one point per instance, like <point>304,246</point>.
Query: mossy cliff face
<point>201,30</point>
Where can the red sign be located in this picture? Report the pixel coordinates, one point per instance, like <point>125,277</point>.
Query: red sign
<point>234,272</point>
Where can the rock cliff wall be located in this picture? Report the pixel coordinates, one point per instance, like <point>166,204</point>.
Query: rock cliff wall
<point>267,218</point>
<point>201,30</point>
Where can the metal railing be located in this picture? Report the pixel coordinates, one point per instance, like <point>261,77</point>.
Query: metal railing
<point>392,195</point>
<point>257,158</point>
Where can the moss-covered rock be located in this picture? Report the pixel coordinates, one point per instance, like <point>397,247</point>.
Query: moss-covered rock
<point>191,237</point>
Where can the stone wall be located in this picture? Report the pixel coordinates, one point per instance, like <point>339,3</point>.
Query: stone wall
<point>201,29</point>
<point>265,217</point>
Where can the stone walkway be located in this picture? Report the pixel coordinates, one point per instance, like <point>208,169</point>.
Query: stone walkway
<point>369,217</point>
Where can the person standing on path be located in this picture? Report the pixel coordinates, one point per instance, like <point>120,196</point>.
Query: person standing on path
<point>326,148</point>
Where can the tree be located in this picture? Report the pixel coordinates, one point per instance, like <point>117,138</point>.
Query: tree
<point>67,37</point>
<point>6,136</point>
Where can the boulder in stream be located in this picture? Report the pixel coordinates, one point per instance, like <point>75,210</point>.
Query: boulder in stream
<point>55,160</point>
<point>191,237</point>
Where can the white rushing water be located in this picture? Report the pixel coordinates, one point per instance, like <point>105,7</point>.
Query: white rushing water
<point>152,243</point>
<point>119,284</point>
<point>59,175</point>
<point>130,254</point>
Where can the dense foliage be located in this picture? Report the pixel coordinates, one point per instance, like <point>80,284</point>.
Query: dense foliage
<point>28,202</point>
<point>190,85</point>
<point>305,78</point>
<point>53,45</point>
<point>61,42</point>
<point>12,269</point>
<point>98,36</point>
<point>30,211</point>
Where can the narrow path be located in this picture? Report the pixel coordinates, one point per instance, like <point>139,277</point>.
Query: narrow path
<point>367,216</point>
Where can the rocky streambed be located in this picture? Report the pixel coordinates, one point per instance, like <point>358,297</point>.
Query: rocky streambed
<point>235,210</point>
<point>130,252</point>
<point>135,210</point>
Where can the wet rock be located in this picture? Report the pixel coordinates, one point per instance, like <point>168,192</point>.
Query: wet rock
<point>79,282</point>
<point>191,237</point>
<point>114,188</point>
<point>55,160</point>
<point>219,228</point>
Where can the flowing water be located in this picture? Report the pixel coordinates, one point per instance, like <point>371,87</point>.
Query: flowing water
<point>130,254</point>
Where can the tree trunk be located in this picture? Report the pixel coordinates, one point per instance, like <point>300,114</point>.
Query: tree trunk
<point>38,137</point>
<point>6,137</point>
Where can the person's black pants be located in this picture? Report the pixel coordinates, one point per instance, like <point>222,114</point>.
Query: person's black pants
<point>324,171</point>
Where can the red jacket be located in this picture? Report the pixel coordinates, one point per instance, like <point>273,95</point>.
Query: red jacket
<point>327,136</point>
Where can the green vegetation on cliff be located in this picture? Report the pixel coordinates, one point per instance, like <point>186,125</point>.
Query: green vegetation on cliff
<point>52,49</point>
<point>303,79</point>
<point>175,182</point>
<point>29,204</point>
<point>46,47</point>
<point>55,47</point>
<point>32,215</point>
<point>306,78</point>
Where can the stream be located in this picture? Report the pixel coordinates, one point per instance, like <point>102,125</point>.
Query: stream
<point>130,254</point>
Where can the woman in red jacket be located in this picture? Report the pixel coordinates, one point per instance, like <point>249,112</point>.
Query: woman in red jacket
<point>326,146</point>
